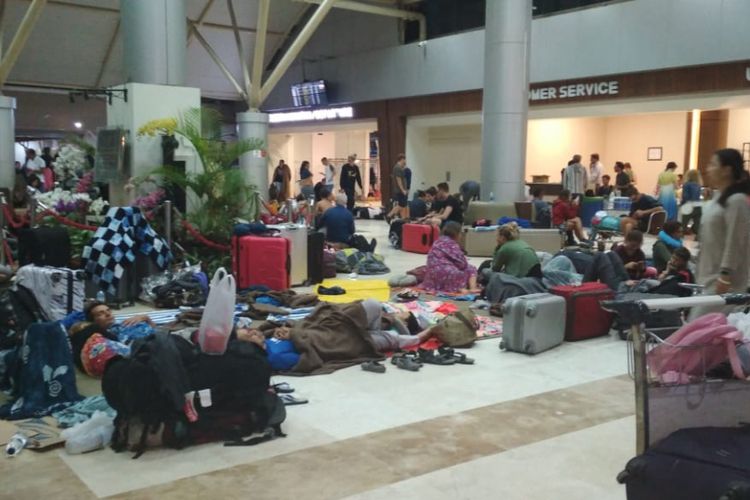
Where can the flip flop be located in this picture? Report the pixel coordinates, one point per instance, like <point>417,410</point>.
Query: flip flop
<point>334,290</point>
<point>290,400</point>
<point>431,358</point>
<point>408,363</point>
<point>373,366</point>
<point>283,388</point>
<point>460,357</point>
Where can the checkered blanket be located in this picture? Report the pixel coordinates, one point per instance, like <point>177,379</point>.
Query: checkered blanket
<point>114,244</point>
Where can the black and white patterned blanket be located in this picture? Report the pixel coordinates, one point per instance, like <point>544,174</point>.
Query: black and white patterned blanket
<point>125,230</point>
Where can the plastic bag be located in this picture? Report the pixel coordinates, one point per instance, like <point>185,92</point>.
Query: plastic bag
<point>218,316</point>
<point>93,434</point>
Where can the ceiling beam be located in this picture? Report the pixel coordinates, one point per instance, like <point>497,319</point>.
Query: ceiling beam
<point>294,50</point>
<point>380,11</point>
<point>2,26</point>
<point>111,10</point>
<point>240,50</point>
<point>223,67</point>
<point>20,37</point>
<point>107,54</point>
<point>201,17</point>
<point>264,6</point>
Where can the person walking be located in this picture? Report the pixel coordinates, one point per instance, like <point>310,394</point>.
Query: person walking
<point>306,180</point>
<point>350,178</point>
<point>329,171</point>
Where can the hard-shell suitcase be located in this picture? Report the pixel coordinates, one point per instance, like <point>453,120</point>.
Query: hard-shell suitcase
<point>418,238</point>
<point>44,246</point>
<point>585,317</point>
<point>259,260</point>
<point>58,290</point>
<point>297,236</point>
<point>316,243</point>
<point>533,323</point>
<point>692,464</point>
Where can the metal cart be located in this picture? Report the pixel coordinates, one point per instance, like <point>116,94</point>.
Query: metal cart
<point>663,407</point>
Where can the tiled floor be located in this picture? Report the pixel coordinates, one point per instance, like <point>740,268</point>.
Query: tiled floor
<point>555,425</point>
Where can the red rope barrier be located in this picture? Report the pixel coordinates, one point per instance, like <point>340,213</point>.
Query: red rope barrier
<point>11,218</point>
<point>68,222</point>
<point>202,239</point>
<point>8,253</point>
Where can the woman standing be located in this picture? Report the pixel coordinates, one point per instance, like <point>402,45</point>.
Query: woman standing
<point>667,187</point>
<point>306,180</point>
<point>724,257</point>
<point>447,268</point>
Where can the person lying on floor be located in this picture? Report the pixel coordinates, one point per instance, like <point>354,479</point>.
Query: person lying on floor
<point>95,340</point>
<point>513,255</point>
<point>336,336</point>
<point>448,270</point>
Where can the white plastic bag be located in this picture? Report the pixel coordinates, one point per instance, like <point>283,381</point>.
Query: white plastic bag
<point>218,316</point>
<point>93,434</point>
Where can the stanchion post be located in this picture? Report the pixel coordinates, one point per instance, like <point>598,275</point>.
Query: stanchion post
<point>32,212</point>
<point>3,203</point>
<point>641,388</point>
<point>168,221</point>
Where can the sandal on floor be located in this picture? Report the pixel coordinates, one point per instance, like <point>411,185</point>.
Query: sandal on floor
<point>431,358</point>
<point>334,290</point>
<point>408,296</point>
<point>290,400</point>
<point>373,366</point>
<point>408,363</point>
<point>460,357</point>
<point>283,388</point>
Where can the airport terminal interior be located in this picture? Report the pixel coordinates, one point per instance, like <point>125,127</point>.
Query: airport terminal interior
<point>375,249</point>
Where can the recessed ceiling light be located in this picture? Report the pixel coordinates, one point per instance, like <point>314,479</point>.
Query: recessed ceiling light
<point>77,124</point>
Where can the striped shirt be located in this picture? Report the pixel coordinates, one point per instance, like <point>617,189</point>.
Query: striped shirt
<point>575,178</point>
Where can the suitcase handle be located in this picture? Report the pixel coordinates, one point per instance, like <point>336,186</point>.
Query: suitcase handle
<point>424,239</point>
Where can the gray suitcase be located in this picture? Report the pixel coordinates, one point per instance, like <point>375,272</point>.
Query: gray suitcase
<point>297,236</point>
<point>533,323</point>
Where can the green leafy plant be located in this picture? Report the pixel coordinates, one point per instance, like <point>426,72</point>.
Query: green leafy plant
<point>219,191</point>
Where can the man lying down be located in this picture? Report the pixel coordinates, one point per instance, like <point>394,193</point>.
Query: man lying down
<point>336,336</point>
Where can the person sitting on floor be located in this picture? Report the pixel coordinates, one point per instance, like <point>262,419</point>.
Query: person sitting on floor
<point>565,217</point>
<point>631,254</point>
<point>513,255</point>
<point>448,270</point>
<point>338,223</point>
<point>98,339</point>
<point>678,266</point>
<point>670,239</point>
<point>641,208</point>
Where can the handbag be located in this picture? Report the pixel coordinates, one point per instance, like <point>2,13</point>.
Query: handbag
<point>218,316</point>
<point>458,329</point>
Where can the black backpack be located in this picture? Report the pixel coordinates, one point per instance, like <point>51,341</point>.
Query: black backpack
<point>18,309</point>
<point>146,395</point>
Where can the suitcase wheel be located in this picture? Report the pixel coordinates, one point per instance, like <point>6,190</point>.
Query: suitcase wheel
<point>501,345</point>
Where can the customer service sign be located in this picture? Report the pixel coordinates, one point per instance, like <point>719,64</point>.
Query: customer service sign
<point>577,91</point>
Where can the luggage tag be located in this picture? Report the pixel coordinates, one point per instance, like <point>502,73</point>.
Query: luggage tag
<point>205,398</point>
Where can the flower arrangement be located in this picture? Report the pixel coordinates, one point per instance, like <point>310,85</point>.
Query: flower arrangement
<point>70,159</point>
<point>85,183</point>
<point>149,201</point>
<point>66,202</point>
<point>162,126</point>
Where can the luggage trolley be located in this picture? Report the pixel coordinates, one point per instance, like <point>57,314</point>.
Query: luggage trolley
<point>663,407</point>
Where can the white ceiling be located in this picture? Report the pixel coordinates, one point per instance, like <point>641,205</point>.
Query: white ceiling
<point>69,42</point>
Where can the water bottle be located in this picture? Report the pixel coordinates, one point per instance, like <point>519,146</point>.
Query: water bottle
<point>492,196</point>
<point>15,445</point>
<point>101,296</point>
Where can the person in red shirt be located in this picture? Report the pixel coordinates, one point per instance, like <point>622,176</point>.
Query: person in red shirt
<point>565,216</point>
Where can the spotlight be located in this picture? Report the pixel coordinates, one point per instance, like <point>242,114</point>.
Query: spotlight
<point>77,124</point>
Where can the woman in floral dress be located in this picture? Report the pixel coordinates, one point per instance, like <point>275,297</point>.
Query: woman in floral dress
<point>447,268</point>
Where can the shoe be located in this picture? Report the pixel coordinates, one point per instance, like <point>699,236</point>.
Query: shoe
<point>334,290</point>
<point>373,244</point>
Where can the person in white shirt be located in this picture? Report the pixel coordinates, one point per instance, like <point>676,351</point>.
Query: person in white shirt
<point>575,177</point>
<point>596,170</point>
<point>34,165</point>
<point>330,174</point>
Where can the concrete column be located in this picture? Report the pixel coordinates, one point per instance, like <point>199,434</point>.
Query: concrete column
<point>505,101</point>
<point>154,41</point>
<point>7,141</point>
<point>254,125</point>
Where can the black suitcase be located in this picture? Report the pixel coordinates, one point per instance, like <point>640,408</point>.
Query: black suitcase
<point>315,244</point>
<point>702,463</point>
<point>394,233</point>
<point>44,246</point>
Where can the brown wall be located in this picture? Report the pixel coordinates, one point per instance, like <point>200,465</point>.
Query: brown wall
<point>713,135</point>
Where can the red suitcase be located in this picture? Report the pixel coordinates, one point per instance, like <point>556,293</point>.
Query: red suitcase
<point>418,238</point>
<point>258,260</point>
<point>585,316</point>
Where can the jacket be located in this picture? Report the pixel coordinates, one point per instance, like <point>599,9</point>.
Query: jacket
<point>563,211</point>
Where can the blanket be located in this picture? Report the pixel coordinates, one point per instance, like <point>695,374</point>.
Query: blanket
<point>124,231</point>
<point>331,338</point>
<point>43,373</point>
<point>501,286</point>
